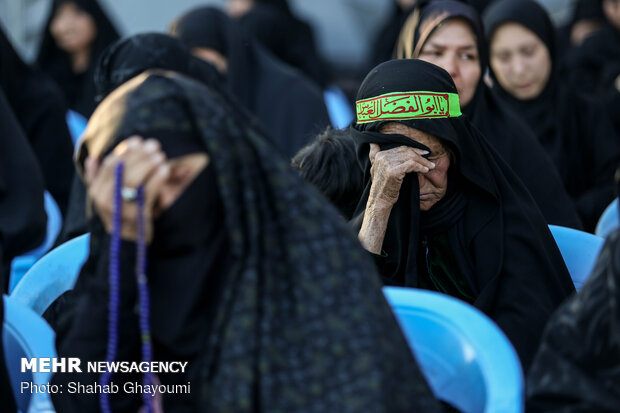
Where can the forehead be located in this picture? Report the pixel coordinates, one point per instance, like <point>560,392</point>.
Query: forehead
<point>513,35</point>
<point>453,33</point>
<point>433,143</point>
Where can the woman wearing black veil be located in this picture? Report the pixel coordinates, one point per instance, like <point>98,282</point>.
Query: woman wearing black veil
<point>76,33</point>
<point>40,109</point>
<point>252,278</point>
<point>576,132</point>
<point>290,106</point>
<point>465,225</point>
<point>449,34</point>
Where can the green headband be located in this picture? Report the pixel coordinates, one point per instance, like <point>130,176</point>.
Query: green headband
<point>408,105</point>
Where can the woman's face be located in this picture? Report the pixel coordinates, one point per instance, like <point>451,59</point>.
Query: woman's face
<point>453,47</point>
<point>73,29</point>
<point>520,61</point>
<point>238,8</point>
<point>433,184</point>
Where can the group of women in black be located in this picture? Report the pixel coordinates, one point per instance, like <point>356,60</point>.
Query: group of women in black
<point>447,181</point>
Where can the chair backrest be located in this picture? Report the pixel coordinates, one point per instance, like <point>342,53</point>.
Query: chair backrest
<point>26,334</point>
<point>76,124</point>
<point>579,250</point>
<point>338,107</point>
<point>467,360</point>
<point>21,264</point>
<point>609,220</point>
<point>55,273</point>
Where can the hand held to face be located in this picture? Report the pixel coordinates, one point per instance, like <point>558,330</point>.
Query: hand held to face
<point>145,165</point>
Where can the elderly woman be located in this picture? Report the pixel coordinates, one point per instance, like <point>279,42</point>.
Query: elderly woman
<point>250,278</point>
<point>449,34</point>
<point>442,211</point>
<point>577,133</point>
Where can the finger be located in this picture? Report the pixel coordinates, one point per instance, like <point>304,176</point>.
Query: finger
<point>153,186</point>
<point>140,164</point>
<point>372,153</point>
<point>130,144</point>
<point>91,167</point>
<point>412,166</point>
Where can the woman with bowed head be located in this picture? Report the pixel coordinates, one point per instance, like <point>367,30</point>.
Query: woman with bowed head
<point>449,34</point>
<point>577,133</point>
<point>443,211</point>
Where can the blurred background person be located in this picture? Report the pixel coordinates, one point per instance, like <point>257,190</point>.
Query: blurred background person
<point>289,106</point>
<point>40,108</point>
<point>273,24</point>
<point>576,132</point>
<point>76,33</point>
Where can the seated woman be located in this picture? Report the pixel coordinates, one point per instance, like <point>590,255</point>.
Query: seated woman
<point>444,211</point>
<point>250,278</point>
<point>449,34</point>
<point>41,111</point>
<point>76,33</point>
<point>22,215</point>
<point>577,133</point>
<point>576,367</point>
<point>289,106</point>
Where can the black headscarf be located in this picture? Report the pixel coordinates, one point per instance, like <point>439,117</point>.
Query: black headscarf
<point>40,109</point>
<point>295,319</point>
<point>500,242</point>
<point>506,133</point>
<point>79,89</point>
<point>128,57</point>
<point>577,133</point>
<point>290,107</point>
<point>22,217</point>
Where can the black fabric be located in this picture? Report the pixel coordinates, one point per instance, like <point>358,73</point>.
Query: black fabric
<point>502,244</point>
<point>385,41</point>
<point>79,88</point>
<point>294,321</point>
<point>289,38</point>
<point>505,132</point>
<point>290,107</point>
<point>576,366</point>
<point>6,392</point>
<point>40,109</point>
<point>22,216</point>
<point>576,132</point>
<point>584,11</point>
<point>128,57</point>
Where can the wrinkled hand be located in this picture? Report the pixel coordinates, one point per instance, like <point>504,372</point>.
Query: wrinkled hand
<point>389,168</point>
<point>145,164</point>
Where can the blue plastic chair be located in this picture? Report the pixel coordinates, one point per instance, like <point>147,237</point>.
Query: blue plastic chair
<point>467,360</point>
<point>580,251</point>
<point>26,334</point>
<point>52,275</point>
<point>609,220</point>
<point>338,107</point>
<point>21,264</point>
<point>76,123</point>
